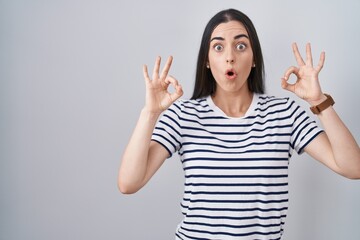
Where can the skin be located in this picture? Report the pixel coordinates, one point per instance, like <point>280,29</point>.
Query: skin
<point>143,157</point>
<point>230,48</point>
<point>336,148</point>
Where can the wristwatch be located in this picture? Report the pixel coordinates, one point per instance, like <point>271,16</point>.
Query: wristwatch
<point>324,105</point>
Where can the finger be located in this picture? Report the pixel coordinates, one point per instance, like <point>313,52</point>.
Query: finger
<point>178,92</point>
<point>146,74</point>
<point>321,62</point>
<point>291,70</point>
<point>287,86</point>
<point>166,68</point>
<point>309,60</point>
<point>171,80</point>
<point>156,68</point>
<point>178,88</point>
<point>298,57</point>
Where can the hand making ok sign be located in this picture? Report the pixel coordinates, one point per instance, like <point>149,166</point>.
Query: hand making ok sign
<point>158,98</point>
<point>307,85</point>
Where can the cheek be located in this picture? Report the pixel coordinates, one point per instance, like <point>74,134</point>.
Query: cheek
<point>215,63</point>
<point>246,61</point>
<point>213,58</point>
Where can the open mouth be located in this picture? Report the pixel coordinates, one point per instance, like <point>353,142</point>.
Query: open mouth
<point>230,74</point>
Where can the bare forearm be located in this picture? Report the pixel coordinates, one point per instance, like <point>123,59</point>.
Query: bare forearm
<point>135,158</point>
<point>345,150</point>
<point>142,158</point>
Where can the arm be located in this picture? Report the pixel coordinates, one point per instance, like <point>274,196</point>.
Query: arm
<point>143,157</point>
<point>336,148</point>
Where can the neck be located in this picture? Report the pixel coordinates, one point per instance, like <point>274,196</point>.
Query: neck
<point>233,104</point>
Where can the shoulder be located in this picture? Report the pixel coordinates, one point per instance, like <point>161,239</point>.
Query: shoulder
<point>270,101</point>
<point>284,107</point>
<point>191,105</point>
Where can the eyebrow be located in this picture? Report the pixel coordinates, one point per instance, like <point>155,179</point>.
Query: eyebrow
<point>236,37</point>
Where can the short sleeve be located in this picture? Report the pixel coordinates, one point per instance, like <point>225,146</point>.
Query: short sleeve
<point>167,131</point>
<point>304,129</point>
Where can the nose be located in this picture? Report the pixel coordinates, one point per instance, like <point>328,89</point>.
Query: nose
<point>230,58</point>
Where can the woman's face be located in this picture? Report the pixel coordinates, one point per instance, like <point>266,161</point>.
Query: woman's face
<point>230,57</point>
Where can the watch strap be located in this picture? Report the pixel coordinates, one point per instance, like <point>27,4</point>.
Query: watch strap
<point>324,105</point>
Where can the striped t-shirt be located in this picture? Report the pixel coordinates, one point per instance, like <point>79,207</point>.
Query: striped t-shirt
<point>236,169</point>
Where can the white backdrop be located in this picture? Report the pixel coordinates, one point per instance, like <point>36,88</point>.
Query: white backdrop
<point>72,89</point>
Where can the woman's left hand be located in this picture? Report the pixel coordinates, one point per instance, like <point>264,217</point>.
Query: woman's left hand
<point>307,85</point>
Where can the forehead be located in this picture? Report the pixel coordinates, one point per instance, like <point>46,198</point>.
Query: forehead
<point>232,27</point>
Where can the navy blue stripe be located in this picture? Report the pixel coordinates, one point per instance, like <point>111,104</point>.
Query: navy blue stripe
<point>198,102</point>
<point>192,237</point>
<point>236,218</point>
<point>233,226</point>
<point>235,209</point>
<point>241,125</point>
<point>271,99</point>
<point>233,159</point>
<point>276,112</point>
<point>300,132</point>
<point>172,119</point>
<point>169,125</point>
<point>307,133</point>
<point>237,141</point>
<point>177,235</point>
<point>267,97</point>
<point>238,184</point>
<point>199,117</point>
<point>281,231</point>
<point>198,110</point>
<point>306,143</point>
<point>175,104</point>
<point>231,234</point>
<point>270,106</point>
<point>163,137</point>
<point>299,125</point>
<point>235,176</point>
<point>235,193</point>
<point>235,201</point>
<point>170,153</point>
<point>249,117</point>
<point>237,168</point>
<point>239,152</point>
<point>297,118</point>
<point>238,133</point>
<point>234,147</point>
<point>168,133</point>
<point>238,125</point>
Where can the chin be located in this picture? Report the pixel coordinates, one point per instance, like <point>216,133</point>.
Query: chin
<point>233,87</point>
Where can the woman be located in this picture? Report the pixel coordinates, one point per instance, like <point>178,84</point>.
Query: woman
<point>235,142</point>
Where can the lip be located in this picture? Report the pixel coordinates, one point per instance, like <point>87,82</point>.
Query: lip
<point>230,74</point>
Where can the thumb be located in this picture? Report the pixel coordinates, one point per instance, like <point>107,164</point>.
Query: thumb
<point>287,86</point>
<point>178,92</point>
<point>284,80</point>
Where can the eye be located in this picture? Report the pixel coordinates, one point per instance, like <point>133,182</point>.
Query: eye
<point>218,47</point>
<point>241,46</point>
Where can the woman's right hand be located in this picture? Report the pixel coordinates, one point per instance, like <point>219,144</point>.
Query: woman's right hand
<point>158,98</point>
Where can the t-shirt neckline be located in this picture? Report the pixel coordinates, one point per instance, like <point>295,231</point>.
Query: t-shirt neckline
<point>249,112</point>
